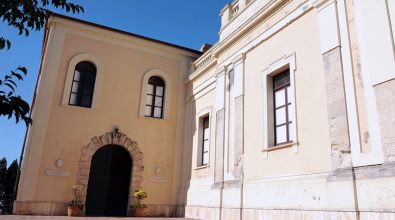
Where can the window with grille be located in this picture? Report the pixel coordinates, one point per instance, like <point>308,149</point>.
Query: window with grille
<point>155,97</point>
<point>283,132</point>
<point>83,84</point>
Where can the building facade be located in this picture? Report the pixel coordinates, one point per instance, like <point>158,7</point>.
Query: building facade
<point>290,115</point>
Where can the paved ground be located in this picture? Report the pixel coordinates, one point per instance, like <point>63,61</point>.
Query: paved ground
<point>24,217</point>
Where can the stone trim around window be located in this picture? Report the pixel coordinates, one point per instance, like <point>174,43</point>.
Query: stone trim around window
<point>286,62</point>
<point>69,79</point>
<point>143,95</point>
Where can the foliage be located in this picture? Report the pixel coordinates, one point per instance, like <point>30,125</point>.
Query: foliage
<point>140,194</point>
<point>26,15</point>
<point>7,184</point>
<point>11,104</point>
<point>3,174</point>
<point>76,202</point>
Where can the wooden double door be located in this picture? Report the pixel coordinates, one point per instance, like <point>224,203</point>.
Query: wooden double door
<point>109,182</point>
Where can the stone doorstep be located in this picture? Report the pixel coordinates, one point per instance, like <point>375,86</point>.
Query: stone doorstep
<point>27,217</point>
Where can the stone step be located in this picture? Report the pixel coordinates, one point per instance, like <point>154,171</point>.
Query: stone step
<point>28,217</point>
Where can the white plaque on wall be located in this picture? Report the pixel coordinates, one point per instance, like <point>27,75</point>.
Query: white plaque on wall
<point>57,173</point>
<point>157,179</point>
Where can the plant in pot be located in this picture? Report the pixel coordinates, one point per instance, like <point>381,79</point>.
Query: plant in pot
<point>75,205</point>
<point>138,208</point>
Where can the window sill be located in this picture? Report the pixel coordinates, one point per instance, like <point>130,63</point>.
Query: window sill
<point>77,107</point>
<point>152,118</point>
<point>281,146</point>
<point>201,167</point>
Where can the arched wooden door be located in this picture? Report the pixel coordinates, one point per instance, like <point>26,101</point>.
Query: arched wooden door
<point>109,181</point>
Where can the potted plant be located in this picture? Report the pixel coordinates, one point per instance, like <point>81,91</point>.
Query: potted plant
<point>75,205</point>
<point>138,208</point>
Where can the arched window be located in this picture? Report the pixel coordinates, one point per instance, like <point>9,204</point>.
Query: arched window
<point>155,97</point>
<point>81,93</point>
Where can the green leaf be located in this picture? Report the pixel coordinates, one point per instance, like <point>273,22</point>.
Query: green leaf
<point>17,75</point>
<point>12,82</point>
<point>10,86</point>
<point>23,69</point>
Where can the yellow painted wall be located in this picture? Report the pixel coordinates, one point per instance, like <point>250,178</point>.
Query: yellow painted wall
<point>70,128</point>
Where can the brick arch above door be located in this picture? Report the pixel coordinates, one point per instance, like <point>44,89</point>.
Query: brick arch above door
<point>111,138</point>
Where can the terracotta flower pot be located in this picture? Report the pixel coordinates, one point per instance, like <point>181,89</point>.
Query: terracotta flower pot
<point>72,211</point>
<point>139,212</point>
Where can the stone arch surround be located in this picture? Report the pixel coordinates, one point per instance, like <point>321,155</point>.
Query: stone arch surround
<point>111,138</point>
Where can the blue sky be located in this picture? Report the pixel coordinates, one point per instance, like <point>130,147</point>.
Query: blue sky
<point>187,23</point>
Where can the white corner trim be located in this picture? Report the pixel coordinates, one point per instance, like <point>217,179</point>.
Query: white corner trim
<point>70,74</point>
<point>238,76</point>
<point>144,85</point>
<point>273,69</point>
<point>376,155</point>
<point>328,26</point>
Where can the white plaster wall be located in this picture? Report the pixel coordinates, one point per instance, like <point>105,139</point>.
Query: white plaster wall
<point>306,192</point>
<point>373,23</point>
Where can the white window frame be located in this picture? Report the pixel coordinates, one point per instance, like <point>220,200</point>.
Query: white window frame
<point>144,86</point>
<point>69,79</point>
<point>200,116</point>
<point>284,63</point>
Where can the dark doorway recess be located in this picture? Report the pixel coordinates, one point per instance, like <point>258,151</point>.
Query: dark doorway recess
<point>109,181</point>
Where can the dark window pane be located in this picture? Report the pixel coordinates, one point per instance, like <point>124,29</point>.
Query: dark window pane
<point>281,80</point>
<point>155,97</point>
<point>206,122</point>
<point>86,101</point>
<point>281,83</point>
<point>156,80</point>
<point>205,140</point>
<point>83,84</point>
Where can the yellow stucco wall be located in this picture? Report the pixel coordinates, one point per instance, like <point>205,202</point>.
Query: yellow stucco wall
<point>70,128</point>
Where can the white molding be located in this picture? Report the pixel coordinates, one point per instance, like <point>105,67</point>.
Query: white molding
<point>220,89</point>
<point>199,182</point>
<point>376,155</point>
<point>229,120</point>
<point>239,59</point>
<point>292,16</point>
<point>238,78</point>
<point>70,74</point>
<point>205,111</point>
<point>143,95</point>
<point>201,89</point>
<point>391,15</point>
<point>328,25</point>
<point>287,61</point>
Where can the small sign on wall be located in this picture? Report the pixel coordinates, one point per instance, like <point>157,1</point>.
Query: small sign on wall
<point>64,173</point>
<point>157,179</point>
